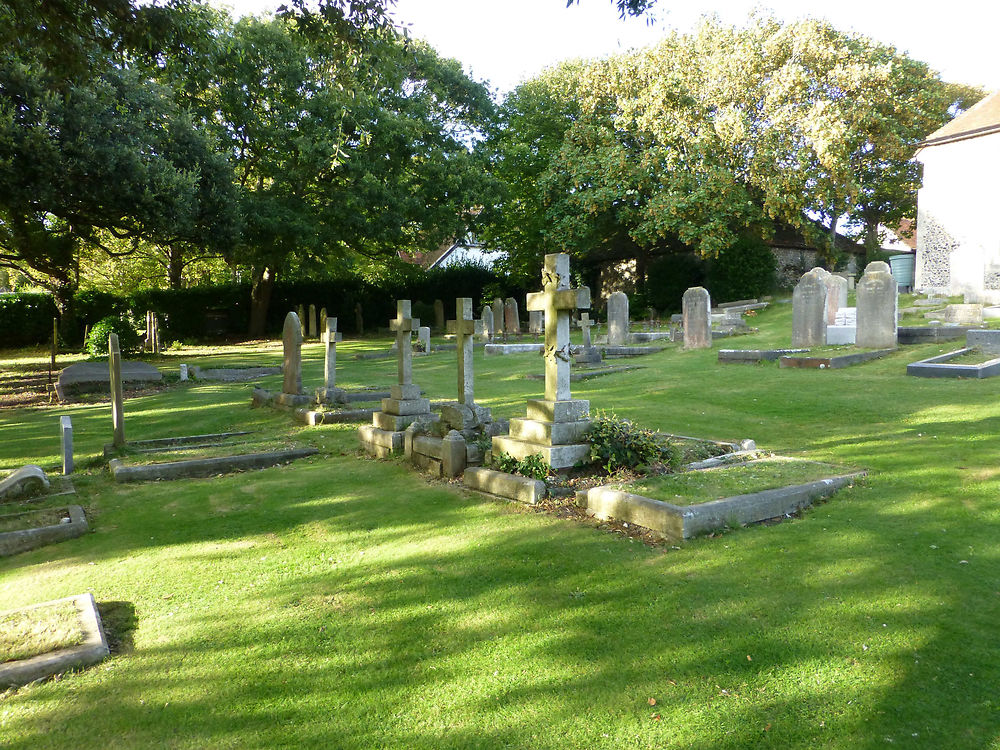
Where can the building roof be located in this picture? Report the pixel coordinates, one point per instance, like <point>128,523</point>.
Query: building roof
<point>428,259</point>
<point>981,119</point>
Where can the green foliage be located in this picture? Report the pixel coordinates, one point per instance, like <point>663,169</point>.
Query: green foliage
<point>26,318</point>
<point>746,270</point>
<point>617,443</point>
<point>667,278</point>
<point>533,466</point>
<point>129,341</point>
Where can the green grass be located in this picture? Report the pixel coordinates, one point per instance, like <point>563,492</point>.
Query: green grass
<point>39,630</point>
<point>693,487</point>
<point>344,602</point>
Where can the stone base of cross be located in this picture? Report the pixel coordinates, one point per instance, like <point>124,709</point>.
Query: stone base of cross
<point>556,425</point>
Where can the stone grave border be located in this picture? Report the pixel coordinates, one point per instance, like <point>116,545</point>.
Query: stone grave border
<point>929,334</point>
<point>13,542</point>
<point>232,374</point>
<point>93,650</point>
<point>678,523</point>
<point>204,467</point>
<point>938,367</point>
<point>753,356</point>
<point>835,362</point>
<point>183,442</point>
<point>591,373</point>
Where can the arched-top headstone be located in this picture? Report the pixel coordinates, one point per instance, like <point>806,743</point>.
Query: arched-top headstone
<point>617,319</point>
<point>809,310</point>
<point>697,306</point>
<point>877,307</point>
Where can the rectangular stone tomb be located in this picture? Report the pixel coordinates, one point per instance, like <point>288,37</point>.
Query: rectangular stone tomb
<point>501,349</point>
<point>204,467</point>
<point>22,540</point>
<point>183,442</point>
<point>756,355</point>
<point>833,362</point>
<point>93,648</point>
<point>314,417</point>
<point>939,367</point>
<point>929,334</point>
<point>677,523</point>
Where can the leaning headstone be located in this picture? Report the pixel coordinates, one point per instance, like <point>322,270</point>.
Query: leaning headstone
<point>489,329</point>
<point>424,339</point>
<point>809,310</point>
<point>555,427</point>
<point>511,317</point>
<point>617,319</point>
<point>536,322</point>
<point>312,321</point>
<point>697,305</point>
<point>291,340</point>
<point>66,442</point>
<point>498,322</point>
<point>439,315</point>
<point>878,307</point>
<point>836,296</point>
<point>27,481</point>
<point>117,397</point>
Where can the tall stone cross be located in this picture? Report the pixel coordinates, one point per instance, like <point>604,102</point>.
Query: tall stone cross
<point>585,324</point>
<point>330,339</point>
<point>117,398</point>
<point>557,300</point>
<point>465,329</point>
<point>404,325</point>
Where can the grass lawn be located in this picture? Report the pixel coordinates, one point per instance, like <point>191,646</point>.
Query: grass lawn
<point>39,630</point>
<point>693,487</point>
<point>340,602</point>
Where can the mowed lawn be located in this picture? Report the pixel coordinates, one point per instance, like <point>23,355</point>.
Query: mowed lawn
<point>341,602</point>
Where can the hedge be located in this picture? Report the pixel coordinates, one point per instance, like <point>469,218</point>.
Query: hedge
<point>26,318</point>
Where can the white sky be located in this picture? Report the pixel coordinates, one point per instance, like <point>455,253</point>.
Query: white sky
<point>506,41</point>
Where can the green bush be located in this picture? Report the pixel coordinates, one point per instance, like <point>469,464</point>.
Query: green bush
<point>616,443</point>
<point>744,271</point>
<point>128,339</point>
<point>26,318</point>
<point>533,466</point>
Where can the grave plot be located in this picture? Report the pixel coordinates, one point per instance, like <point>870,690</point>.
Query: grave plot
<point>50,638</point>
<point>832,360</point>
<point>30,483</point>
<point>680,506</point>
<point>962,363</point>
<point>29,529</point>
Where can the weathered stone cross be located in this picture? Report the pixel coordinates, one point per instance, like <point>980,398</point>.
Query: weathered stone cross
<point>330,338</point>
<point>556,300</point>
<point>404,325</point>
<point>585,324</point>
<point>465,329</point>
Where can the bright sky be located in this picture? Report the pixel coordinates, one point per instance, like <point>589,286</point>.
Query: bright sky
<point>506,41</point>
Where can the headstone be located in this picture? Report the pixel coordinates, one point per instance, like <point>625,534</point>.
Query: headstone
<point>312,321</point>
<point>489,329</point>
<point>836,296</point>
<point>617,319</point>
<point>291,340</point>
<point>439,315</point>
<point>590,355</point>
<point>878,307</point>
<point>536,322</point>
<point>556,426</point>
<point>359,319</point>
<point>498,322</point>
<point>24,482</point>
<point>117,397</point>
<point>404,406</point>
<point>66,441</point>
<point>322,321</point>
<point>809,310</point>
<point>330,339</point>
<point>184,372</point>
<point>511,317</point>
<point>697,304</point>
<point>964,315</point>
<point>424,339</point>
<point>465,329</point>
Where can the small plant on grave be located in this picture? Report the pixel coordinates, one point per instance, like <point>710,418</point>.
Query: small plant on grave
<point>504,462</point>
<point>617,443</point>
<point>533,467</point>
<point>129,341</point>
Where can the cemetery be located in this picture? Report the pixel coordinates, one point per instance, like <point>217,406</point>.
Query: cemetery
<point>349,401</point>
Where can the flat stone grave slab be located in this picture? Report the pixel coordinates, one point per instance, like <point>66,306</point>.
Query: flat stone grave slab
<point>233,374</point>
<point>28,530</point>
<point>756,355</point>
<point>590,372</point>
<point>314,417</point>
<point>183,442</point>
<point>972,363</point>
<point>641,337</point>
<point>83,635</point>
<point>502,349</point>
<point>88,377</point>
<point>929,334</point>
<point>218,457</point>
<point>833,361</point>
<point>682,520</point>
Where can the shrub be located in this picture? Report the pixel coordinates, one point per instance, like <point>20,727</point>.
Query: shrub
<point>128,339</point>
<point>533,466</point>
<point>26,318</point>
<point>616,443</point>
<point>745,270</point>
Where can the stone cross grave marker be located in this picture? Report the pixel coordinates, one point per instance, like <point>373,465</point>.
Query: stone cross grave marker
<point>809,310</point>
<point>465,329</point>
<point>877,307</point>
<point>590,355</point>
<point>330,338</point>
<point>404,324</point>
<point>697,305</point>
<point>291,340</point>
<point>117,398</point>
<point>585,325</point>
<point>617,319</point>
<point>556,301</point>
<point>489,329</point>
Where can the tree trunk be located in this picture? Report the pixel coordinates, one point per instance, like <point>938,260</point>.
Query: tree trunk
<point>260,300</point>
<point>833,239</point>
<point>175,268</point>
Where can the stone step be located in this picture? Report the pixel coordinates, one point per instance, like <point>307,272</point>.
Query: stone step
<point>549,433</point>
<point>556,456</point>
<point>558,411</point>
